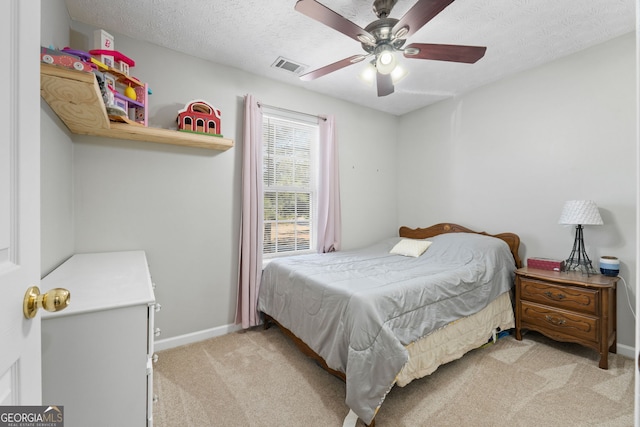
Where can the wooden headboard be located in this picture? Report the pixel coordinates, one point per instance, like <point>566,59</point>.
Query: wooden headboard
<point>513,240</point>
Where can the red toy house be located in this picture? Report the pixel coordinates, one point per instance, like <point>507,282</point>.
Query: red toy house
<point>200,117</point>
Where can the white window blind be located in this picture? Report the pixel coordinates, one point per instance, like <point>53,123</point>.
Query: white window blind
<point>289,170</point>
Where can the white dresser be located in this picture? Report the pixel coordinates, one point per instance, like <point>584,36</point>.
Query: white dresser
<point>97,354</point>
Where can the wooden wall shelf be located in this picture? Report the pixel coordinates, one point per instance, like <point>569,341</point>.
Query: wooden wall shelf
<point>75,98</point>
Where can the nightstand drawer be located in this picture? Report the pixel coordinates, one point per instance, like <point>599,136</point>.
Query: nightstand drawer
<point>566,297</point>
<point>564,322</point>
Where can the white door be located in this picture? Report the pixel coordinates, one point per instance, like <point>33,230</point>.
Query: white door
<point>20,367</point>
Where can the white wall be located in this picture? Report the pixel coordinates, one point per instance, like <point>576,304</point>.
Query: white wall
<point>506,157</point>
<point>56,157</point>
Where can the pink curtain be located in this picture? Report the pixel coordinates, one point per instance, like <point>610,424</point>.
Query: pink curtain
<point>251,220</point>
<point>329,220</point>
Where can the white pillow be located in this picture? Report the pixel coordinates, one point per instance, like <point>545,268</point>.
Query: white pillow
<point>411,247</point>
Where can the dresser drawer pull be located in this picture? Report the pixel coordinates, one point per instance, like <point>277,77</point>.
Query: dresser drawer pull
<point>154,358</point>
<point>553,320</point>
<point>157,307</point>
<point>157,332</point>
<point>550,295</point>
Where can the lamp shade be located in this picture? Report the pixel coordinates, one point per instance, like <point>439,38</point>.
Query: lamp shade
<point>386,62</point>
<point>584,212</point>
<point>385,58</point>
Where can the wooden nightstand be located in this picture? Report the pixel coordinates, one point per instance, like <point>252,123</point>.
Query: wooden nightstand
<point>568,306</point>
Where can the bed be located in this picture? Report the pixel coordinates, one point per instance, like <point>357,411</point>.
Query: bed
<point>380,316</point>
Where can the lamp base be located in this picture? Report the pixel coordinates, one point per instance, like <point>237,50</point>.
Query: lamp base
<point>585,267</point>
<point>578,259</point>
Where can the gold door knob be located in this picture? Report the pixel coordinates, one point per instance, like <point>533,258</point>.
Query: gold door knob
<point>55,300</point>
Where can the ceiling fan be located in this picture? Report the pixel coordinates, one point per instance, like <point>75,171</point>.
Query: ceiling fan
<point>384,36</point>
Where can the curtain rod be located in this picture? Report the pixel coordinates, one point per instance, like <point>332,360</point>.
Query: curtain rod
<point>290,111</point>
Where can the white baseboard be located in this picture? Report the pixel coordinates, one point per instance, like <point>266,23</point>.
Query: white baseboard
<point>192,337</point>
<point>625,350</point>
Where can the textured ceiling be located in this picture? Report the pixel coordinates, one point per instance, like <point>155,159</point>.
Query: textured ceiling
<point>252,34</point>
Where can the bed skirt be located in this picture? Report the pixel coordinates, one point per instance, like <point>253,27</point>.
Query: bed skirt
<point>457,338</point>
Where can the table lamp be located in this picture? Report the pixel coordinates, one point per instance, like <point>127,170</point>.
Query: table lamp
<point>579,213</point>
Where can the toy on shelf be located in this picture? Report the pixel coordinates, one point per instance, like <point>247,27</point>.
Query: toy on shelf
<point>130,93</point>
<point>126,97</point>
<point>86,56</point>
<point>198,116</point>
<point>136,109</point>
<point>65,59</point>
<point>104,41</point>
<point>122,62</point>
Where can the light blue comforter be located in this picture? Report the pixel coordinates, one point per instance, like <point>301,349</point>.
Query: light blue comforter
<point>358,309</point>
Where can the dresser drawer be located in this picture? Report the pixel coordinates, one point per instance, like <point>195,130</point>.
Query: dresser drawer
<point>566,297</point>
<point>565,322</point>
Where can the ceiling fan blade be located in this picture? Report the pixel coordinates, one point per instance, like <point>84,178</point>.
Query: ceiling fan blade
<point>323,14</point>
<point>312,75</point>
<point>385,84</point>
<point>445,52</point>
<point>419,14</point>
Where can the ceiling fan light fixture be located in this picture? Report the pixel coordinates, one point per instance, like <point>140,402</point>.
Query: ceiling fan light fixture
<point>398,74</point>
<point>368,74</point>
<point>385,60</point>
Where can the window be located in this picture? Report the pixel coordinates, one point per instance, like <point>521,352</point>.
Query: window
<point>289,177</point>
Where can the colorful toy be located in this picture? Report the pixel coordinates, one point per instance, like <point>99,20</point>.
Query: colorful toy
<point>86,56</point>
<point>122,62</point>
<point>137,111</point>
<point>200,117</point>
<point>64,59</point>
<point>126,96</point>
<point>130,93</point>
<point>104,41</point>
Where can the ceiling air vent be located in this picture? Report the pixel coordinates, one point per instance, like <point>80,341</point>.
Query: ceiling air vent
<point>289,65</point>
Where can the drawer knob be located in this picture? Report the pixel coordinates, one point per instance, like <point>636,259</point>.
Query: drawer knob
<point>158,307</point>
<point>157,332</point>
<point>552,296</point>
<point>553,320</point>
<point>154,358</point>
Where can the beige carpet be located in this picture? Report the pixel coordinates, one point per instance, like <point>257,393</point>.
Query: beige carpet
<point>259,378</point>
